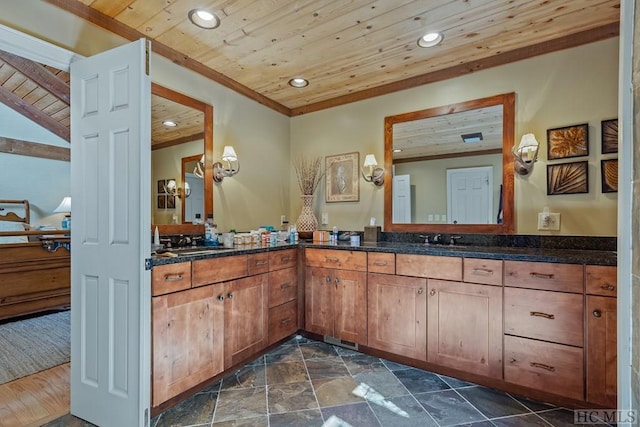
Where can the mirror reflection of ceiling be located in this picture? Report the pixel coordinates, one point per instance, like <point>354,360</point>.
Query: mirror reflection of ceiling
<point>189,123</point>
<point>442,135</point>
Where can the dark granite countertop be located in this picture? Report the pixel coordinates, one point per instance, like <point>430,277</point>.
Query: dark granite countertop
<point>571,256</point>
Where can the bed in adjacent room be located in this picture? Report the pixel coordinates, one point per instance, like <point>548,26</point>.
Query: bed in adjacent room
<point>34,277</point>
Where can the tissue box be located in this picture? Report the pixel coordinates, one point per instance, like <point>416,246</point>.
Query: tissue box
<point>372,233</point>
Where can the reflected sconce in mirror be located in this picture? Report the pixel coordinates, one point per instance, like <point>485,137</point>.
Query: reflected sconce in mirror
<point>370,172</point>
<point>526,154</point>
<point>172,189</point>
<point>198,170</point>
<point>232,164</point>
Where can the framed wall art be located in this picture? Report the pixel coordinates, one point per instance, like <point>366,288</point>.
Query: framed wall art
<point>171,202</point>
<point>162,201</point>
<point>609,136</point>
<point>609,170</point>
<point>342,178</point>
<point>568,178</point>
<point>569,141</point>
<point>161,184</point>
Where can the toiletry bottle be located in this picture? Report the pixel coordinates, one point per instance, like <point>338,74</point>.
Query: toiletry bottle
<point>334,236</point>
<point>208,231</point>
<point>215,238</point>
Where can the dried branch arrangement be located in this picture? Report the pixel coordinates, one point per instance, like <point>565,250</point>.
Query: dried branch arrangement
<point>308,173</point>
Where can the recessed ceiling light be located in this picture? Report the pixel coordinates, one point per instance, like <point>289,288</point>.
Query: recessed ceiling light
<point>170,123</point>
<point>298,82</point>
<point>204,19</point>
<point>430,40</point>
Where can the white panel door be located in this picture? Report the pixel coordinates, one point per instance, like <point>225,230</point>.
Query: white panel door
<point>401,199</point>
<point>470,196</point>
<point>110,189</point>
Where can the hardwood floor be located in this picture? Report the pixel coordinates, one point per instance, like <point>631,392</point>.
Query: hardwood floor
<point>36,399</point>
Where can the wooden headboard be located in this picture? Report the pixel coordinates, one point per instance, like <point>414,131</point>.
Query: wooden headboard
<point>12,216</point>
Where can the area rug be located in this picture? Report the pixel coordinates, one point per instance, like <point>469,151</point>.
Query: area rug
<point>34,344</point>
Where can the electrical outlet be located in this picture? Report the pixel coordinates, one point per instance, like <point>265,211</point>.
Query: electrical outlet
<point>430,217</point>
<point>548,221</point>
<point>325,218</point>
<point>283,218</point>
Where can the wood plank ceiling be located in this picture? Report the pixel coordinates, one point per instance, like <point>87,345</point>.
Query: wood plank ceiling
<point>348,50</point>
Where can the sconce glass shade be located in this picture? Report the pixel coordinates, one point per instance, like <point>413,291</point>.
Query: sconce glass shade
<point>171,188</point>
<point>370,172</point>
<point>64,206</point>
<point>526,154</point>
<point>228,155</point>
<point>198,170</point>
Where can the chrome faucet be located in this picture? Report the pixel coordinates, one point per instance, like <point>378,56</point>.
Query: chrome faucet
<point>437,239</point>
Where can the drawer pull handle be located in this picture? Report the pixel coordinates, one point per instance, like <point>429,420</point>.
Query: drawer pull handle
<point>285,285</point>
<point>328,259</point>
<point>258,263</point>
<point>482,271</point>
<point>420,291</point>
<point>607,287</point>
<point>285,321</point>
<point>541,314</point>
<point>542,366</point>
<point>173,277</point>
<point>542,276</point>
<point>432,292</point>
<point>380,263</point>
<point>285,259</point>
<point>597,313</point>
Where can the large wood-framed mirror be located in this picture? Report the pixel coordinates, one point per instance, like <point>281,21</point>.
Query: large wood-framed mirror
<point>433,171</point>
<point>173,151</point>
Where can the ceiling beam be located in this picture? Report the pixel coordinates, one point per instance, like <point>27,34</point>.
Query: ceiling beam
<point>13,101</point>
<point>177,141</point>
<point>34,149</point>
<point>40,75</point>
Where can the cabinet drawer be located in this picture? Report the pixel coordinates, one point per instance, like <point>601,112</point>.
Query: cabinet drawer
<point>214,270</point>
<point>283,259</point>
<point>436,267</point>
<point>484,271</point>
<point>602,280</point>
<point>544,315</point>
<point>544,366</point>
<point>258,263</point>
<point>283,321</point>
<point>542,275</point>
<point>283,286</point>
<point>335,258</point>
<point>381,263</point>
<point>170,278</point>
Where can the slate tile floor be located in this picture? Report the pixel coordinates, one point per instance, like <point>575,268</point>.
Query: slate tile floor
<point>308,383</point>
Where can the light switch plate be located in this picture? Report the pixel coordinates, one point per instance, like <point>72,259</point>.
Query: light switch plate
<point>325,218</point>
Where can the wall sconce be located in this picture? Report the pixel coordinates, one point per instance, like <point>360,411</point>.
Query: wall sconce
<point>172,189</point>
<point>370,172</point>
<point>228,155</point>
<point>198,170</point>
<point>526,154</point>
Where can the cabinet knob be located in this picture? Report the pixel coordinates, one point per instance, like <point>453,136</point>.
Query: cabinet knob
<point>432,292</point>
<point>229,295</point>
<point>328,279</point>
<point>220,298</point>
<point>420,291</point>
<point>607,287</point>
<point>597,313</point>
<point>337,280</point>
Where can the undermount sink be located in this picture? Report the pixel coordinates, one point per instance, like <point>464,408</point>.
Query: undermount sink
<point>196,250</point>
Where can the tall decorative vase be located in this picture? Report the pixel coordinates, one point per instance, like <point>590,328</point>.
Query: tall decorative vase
<point>307,222</point>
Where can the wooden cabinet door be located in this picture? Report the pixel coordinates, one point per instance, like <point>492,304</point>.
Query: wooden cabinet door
<point>188,330</point>
<point>246,318</point>
<point>602,353</point>
<point>319,300</point>
<point>350,306</point>
<point>465,326</point>
<point>397,315</point>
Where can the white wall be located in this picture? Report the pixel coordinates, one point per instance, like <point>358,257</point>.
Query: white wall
<point>563,88</point>
<point>44,182</point>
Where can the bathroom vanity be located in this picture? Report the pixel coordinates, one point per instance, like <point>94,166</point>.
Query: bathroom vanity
<point>539,323</point>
